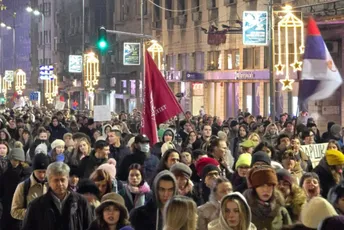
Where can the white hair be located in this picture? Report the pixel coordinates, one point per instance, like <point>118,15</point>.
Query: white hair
<point>57,169</point>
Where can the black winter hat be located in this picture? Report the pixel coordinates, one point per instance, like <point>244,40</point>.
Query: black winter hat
<point>260,156</point>
<point>283,174</point>
<point>40,162</point>
<point>333,222</point>
<point>233,123</point>
<point>87,186</point>
<point>208,168</point>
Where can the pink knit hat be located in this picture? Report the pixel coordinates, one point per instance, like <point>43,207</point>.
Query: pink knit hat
<point>110,168</point>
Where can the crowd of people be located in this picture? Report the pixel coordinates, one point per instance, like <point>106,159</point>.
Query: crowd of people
<point>62,170</point>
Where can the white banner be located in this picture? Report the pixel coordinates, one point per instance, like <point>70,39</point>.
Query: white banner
<point>102,113</point>
<point>315,152</point>
<point>60,105</point>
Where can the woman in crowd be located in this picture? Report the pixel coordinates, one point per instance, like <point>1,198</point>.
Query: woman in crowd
<point>169,158</point>
<point>336,197</point>
<point>271,134</point>
<point>111,214</point>
<point>26,140</point>
<point>330,170</point>
<point>294,196</point>
<point>136,192</point>
<point>83,148</point>
<point>191,138</point>
<point>4,151</point>
<point>211,210</point>
<point>57,151</point>
<point>103,181</point>
<point>242,136</point>
<point>110,168</point>
<point>266,202</point>
<point>235,214</point>
<point>180,213</point>
<point>291,163</point>
<point>186,157</point>
<point>310,183</point>
<point>305,162</point>
<point>242,167</point>
<point>255,138</point>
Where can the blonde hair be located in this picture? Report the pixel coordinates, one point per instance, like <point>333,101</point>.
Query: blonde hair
<point>254,135</point>
<point>180,213</point>
<point>243,222</point>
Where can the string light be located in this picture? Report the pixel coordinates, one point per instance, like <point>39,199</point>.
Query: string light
<point>156,48</point>
<point>51,88</point>
<point>289,23</point>
<point>91,71</point>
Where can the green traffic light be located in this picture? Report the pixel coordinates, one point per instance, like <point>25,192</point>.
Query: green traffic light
<point>102,44</point>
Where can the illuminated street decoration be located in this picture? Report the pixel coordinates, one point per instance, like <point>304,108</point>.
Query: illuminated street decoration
<point>293,27</point>
<point>91,70</point>
<point>51,88</point>
<point>156,48</point>
<point>19,81</point>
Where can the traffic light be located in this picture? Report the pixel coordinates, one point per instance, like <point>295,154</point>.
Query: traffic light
<point>102,42</point>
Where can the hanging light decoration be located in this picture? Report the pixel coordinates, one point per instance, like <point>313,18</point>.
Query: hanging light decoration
<point>156,48</point>
<point>51,89</point>
<point>19,81</point>
<point>91,72</point>
<point>290,24</point>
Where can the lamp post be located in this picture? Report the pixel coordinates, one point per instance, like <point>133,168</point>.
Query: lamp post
<point>38,13</point>
<point>91,75</point>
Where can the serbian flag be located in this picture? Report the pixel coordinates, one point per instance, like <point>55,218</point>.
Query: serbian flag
<point>160,103</point>
<point>320,77</point>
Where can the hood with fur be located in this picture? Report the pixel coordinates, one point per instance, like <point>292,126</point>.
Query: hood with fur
<point>221,223</point>
<point>161,176</point>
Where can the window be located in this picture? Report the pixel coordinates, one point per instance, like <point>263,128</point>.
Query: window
<point>182,61</point>
<point>199,63</point>
<point>157,11</point>
<point>45,37</point>
<point>181,6</point>
<point>195,5</point>
<point>168,5</point>
<point>213,60</point>
<point>251,58</point>
<point>232,59</point>
<point>211,4</point>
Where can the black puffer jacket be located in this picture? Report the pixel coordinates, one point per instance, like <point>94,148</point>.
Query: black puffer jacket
<point>43,214</point>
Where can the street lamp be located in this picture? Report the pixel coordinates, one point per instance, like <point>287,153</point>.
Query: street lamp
<point>3,25</point>
<point>29,9</point>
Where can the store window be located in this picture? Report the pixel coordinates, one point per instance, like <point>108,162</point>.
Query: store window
<point>199,61</point>
<point>232,59</point>
<point>197,97</point>
<point>214,60</point>
<point>251,58</point>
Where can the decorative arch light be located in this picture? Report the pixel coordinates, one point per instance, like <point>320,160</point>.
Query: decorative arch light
<point>19,81</point>
<point>156,48</point>
<point>91,72</point>
<point>290,24</point>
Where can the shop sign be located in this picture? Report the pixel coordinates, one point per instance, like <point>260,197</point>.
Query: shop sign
<point>255,28</point>
<point>75,64</point>
<point>194,76</point>
<point>131,53</point>
<point>197,89</point>
<point>244,75</point>
<point>9,75</point>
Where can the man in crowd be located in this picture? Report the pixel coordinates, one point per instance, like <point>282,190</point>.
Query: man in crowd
<point>59,208</point>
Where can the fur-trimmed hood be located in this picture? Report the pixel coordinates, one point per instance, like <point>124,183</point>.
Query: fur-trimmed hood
<point>294,202</point>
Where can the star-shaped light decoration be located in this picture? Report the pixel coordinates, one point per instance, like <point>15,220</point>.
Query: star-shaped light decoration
<point>95,82</point>
<point>87,83</point>
<point>287,84</point>
<point>50,100</point>
<point>279,67</point>
<point>297,66</point>
<point>302,49</point>
<point>20,92</point>
<point>47,95</point>
<point>90,89</point>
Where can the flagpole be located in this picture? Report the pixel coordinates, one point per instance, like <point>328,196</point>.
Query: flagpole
<point>143,58</point>
<point>271,62</point>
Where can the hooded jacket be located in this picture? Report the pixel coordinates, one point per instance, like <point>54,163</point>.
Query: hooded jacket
<point>326,178</point>
<point>149,216</point>
<point>156,149</point>
<point>8,139</point>
<point>221,224</point>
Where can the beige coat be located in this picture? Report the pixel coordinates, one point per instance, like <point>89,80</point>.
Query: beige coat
<point>36,190</point>
<point>207,213</point>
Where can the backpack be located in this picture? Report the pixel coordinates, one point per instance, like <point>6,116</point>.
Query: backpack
<point>27,184</point>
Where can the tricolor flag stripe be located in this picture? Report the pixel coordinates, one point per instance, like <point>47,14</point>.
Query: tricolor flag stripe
<point>315,48</point>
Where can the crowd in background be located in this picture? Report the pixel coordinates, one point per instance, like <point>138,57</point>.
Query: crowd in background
<point>63,170</point>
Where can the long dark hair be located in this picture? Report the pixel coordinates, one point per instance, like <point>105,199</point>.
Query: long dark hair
<point>122,222</point>
<point>163,160</point>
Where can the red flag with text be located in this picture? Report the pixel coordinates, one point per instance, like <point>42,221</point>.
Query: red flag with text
<point>160,103</point>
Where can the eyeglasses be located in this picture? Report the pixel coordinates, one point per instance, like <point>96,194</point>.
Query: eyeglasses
<point>213,174</point>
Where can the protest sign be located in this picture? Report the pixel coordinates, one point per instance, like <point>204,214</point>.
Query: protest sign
<point>102,113</point>
<point>315,152</point>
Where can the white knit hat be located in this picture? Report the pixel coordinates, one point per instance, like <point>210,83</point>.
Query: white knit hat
<point>56,143</point>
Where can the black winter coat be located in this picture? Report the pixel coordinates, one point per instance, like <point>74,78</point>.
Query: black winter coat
<point>57,132</point>
<point>118,153</point>
<point>89,164</point>
<point>8,184</point>
<point>42,213</point>
<point>325,176</point>
<point>144,217</point>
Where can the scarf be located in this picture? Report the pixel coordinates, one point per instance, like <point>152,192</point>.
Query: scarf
<point>139,192</point>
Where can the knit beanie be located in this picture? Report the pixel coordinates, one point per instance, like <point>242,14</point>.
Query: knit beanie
<point>110,168</point>
<point>260,156</point>
<point>261,175</point>
<point>56,143</point>
<point>87,186</point>
<point>247,144</point>
<point>335,130</point>
<point>201,163</point>
<point>17,154</point>
<point>283,174</point>
<point>233,123</point>
<point>334,222</point>
<point>181,168</point>
<point>334,157</point>
<point>315,211</point>
<point>244,160</point>
<point>40,162</point>
<point>207,169</point>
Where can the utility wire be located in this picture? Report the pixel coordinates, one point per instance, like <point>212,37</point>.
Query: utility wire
<point>163,8</point>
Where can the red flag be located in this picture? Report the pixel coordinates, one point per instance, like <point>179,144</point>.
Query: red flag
<point>160,103</point>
